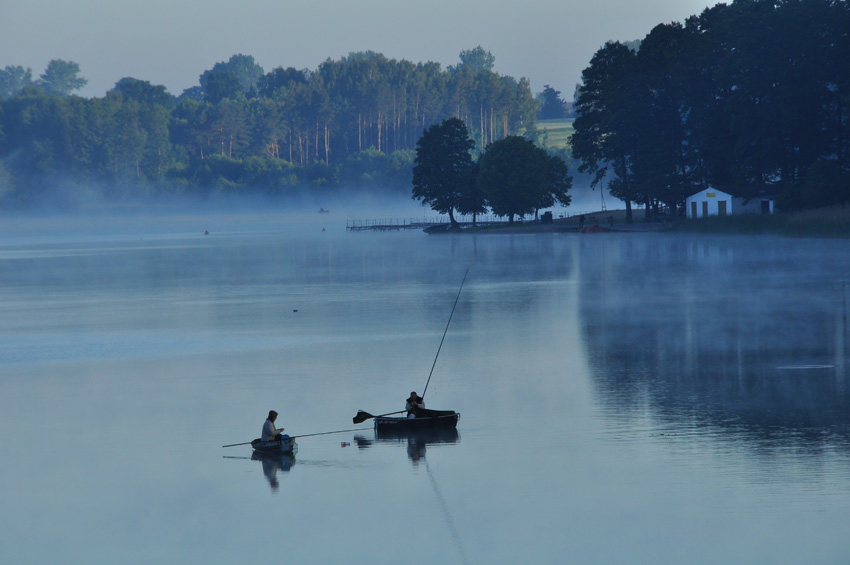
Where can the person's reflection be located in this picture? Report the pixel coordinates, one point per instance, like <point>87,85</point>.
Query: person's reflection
<point>416,449</point>
<point>272,464</point>
<point>417,443</point>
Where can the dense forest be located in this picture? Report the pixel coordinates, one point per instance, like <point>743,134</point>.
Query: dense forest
<point>353,121</point>
<point>751,97</point>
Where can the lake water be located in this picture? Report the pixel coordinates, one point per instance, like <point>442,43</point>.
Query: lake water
<point>625,398</point>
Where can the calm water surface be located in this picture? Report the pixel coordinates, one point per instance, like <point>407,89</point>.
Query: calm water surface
<point>625,398</point>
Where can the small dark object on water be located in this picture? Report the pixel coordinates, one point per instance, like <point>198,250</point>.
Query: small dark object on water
<point>206,232</point>
<point>596,228</point>
<point>295,310</point>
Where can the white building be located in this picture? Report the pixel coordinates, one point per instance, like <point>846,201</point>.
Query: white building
<point>713,202</point>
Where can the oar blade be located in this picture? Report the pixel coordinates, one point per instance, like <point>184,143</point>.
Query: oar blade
<point>361,417</point>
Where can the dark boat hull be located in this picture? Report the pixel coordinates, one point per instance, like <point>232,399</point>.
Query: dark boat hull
<point>430,420</point>
<point>285,445</point>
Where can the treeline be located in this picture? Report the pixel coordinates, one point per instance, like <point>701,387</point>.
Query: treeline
<point>352,121</point>
<point>749,97</point>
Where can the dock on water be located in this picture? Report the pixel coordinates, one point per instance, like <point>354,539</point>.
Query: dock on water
<point>389,224</point>
<point>386,224</point>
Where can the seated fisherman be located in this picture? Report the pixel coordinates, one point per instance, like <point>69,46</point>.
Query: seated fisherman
<point>269,431</point>
<point>414,404</point>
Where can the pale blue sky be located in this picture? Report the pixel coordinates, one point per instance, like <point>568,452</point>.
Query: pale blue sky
<point>171,42</point>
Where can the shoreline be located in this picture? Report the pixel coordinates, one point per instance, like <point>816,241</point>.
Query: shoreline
<point>597,222</point>
<point>830,223</point>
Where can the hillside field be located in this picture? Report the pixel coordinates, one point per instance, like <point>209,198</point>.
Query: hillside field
<point>555,133</point>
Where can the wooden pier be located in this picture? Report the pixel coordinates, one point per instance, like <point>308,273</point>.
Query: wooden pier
<point>391,224</point>
<point>387,224</point>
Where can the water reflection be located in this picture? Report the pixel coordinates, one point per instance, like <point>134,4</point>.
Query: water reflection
<point>416,442</point>
<point>272,464</point>
<point>723,333</point>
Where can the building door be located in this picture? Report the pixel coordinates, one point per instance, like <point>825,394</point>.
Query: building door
<point>693,209</point>
<point>705,209</point>
<point>765,206</point>
<point>721,207</point>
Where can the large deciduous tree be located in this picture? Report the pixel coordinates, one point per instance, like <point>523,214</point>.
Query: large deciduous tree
<point>61,78</point>
<point>605,129</point>
<point>221,86</point>
<point>477,59</point>
<point>144,92</point>
<point>14,79</point>
<point>443,171</point>
<point>519,178</point>
<point>246,71</point>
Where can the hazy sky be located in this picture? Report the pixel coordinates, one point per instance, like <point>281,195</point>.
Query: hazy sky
<point>171,42</point>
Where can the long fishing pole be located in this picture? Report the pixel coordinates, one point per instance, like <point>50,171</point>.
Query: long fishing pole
<point>302,435</point>
<point>326,433</point>
<point>434,364</point>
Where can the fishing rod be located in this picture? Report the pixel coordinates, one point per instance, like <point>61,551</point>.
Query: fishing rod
<point>362,415</point>
<point>447,329</point>
<point>302,435</point>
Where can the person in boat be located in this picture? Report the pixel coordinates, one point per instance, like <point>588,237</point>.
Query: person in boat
<point>269,431</point>
<point>414,405</point>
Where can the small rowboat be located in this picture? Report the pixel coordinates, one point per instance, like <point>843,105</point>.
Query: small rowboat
<point>427,420</point>
<point>283,444</point>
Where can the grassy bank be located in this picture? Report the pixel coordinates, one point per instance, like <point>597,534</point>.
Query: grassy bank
<point>825,222</point>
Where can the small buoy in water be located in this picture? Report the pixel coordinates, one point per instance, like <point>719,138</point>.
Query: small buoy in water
<point>206,232</point>
<point>295,310</point>
<point>345,443</point>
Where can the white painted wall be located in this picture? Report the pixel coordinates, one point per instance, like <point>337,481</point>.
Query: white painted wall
<point>711,202</point>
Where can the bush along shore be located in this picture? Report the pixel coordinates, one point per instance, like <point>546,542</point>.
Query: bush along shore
<point>833,222</point>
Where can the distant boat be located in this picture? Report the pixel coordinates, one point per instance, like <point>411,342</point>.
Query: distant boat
<point>428,420</point>
<point>284,444</point>
<point>593,229</point>
<point>323,211</point>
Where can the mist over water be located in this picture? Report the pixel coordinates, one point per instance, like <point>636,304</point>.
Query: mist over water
<point>631,398</point>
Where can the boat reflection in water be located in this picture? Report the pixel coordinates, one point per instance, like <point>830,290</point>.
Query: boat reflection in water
<point>272,463</point>
<point>417,441</point>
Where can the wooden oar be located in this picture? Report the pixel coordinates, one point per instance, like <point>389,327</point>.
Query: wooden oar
<point>363,416</point>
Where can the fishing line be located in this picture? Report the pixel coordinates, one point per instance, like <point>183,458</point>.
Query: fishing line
<point>326,433</point>
<point>447,328</point>
<point>302,435</point>
<point>447,516</point>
